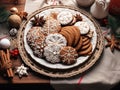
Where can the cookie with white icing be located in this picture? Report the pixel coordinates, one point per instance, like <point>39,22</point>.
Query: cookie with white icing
<point>68,55</point>
<point>65,17</point>
<point>83,27</point>
<point>56,39</point>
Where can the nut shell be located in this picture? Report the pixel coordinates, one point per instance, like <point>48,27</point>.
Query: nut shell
<point>14,21</point>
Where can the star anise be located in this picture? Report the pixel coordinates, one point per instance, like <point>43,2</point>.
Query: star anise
<point>23,15</point>
<point>38,21</point>
<point>113,43</point>
<point>78,17</point>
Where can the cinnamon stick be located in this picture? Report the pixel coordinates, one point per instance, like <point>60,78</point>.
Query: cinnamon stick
<point>5,57</point>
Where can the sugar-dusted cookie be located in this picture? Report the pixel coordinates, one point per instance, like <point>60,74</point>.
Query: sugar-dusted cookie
<point>56,39</point>
<point>65,17</point>
<point>38,48</point>
<point>51,26</point>
<point>83,27</point>
<point>35,40</point>
<point>68,55</point>
<point>51,53</point>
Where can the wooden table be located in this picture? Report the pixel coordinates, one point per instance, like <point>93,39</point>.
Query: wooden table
<point>32,77</point>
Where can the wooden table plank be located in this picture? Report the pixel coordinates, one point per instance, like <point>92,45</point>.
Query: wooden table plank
<point>9,4</point>
<point>32,77</point>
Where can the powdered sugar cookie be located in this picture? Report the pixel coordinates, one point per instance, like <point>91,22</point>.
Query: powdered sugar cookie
<point>65,17</point>
<point>51,53</point>
<point>83,27</point>
<point>56,39</point>
<point>68,55</point>
<point>38,49</point>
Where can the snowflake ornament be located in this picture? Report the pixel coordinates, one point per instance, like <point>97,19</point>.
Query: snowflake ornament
<point>22,71</point>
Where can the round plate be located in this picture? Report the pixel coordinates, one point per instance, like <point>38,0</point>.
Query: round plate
<point>80,59</point>
<point>83,63</point>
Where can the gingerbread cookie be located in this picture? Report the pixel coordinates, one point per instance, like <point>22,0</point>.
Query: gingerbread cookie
<point>86,51</point>
<point>68,55</point>
<point>72,34</point>
<point>51,53</point>
<point>79,45</point>
<point>65,17</point>
<point>83,27</point>
<point>56,39</point>
<point>51,26</point>
<point>77,35</point>
<point>86,42</point>
<point>68,38</point>
<point>85,46</point>
<point>68,33</point>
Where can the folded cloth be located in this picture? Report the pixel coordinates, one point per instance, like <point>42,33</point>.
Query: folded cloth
<point>102,76</point>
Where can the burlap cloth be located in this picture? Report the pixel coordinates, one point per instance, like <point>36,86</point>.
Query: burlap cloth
<point>102,76</point>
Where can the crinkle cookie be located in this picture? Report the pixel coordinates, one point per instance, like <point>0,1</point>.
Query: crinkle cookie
<point>51,53</point>
<point>36,41</point>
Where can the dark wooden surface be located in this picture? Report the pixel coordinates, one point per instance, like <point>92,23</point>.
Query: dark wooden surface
<point>11,3</point>
<point>32,77</point>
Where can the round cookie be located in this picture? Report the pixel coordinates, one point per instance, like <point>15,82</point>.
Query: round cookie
<point>86,51</point>
<point>68,55</point>
<point>68,33</point>
<point>56,39</point>
<point>68,37</point>
<point>51,26</point>
<point>77,35</point>
<point>35,40</point>
<point>79,45</point>
<point>86,42</point>
<point>38,49</point>
<point>84,38</point>
<point>83,27</point>
<point>65,17</point>
<point>33,34</point>
<point>51,53</point>
<point>85,46</point>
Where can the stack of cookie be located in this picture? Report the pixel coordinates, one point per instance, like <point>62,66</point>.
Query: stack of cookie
<point>61,39</point>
